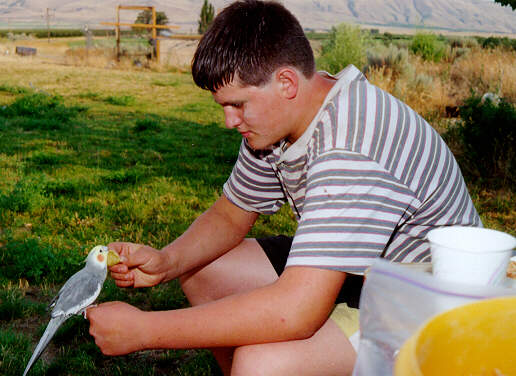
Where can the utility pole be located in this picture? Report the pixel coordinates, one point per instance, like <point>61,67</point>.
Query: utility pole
<point>118,33</point>
<point>48,24</point>
<point>47,18</point>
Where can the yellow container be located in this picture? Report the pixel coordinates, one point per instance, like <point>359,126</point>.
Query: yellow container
<point>477,339</point>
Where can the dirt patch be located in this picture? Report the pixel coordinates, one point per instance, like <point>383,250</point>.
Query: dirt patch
<point>177,53</point>
<point>174,53</point>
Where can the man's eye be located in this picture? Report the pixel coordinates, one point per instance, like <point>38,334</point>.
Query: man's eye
<point>237,105</point>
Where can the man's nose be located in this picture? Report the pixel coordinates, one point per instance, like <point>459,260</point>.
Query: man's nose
<point>233,118</point>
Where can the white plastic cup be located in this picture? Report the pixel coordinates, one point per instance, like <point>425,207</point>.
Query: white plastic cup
<point>470,255</point>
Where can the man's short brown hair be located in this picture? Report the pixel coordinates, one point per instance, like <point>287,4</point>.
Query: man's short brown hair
<point>251,39</point>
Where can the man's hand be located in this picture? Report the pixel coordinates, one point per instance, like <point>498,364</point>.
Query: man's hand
<point>140,266</point>
<point>117,328</point>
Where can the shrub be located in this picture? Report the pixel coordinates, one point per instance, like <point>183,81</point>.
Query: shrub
<point>495,42</point>
<point>427,46</point>
<point>452,54</point>
<point>462,42</point>
<point>346,45</point>
<point>488,136</point>
<point>390,58</point>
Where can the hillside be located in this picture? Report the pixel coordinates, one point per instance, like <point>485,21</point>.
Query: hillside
<point>457,15</point>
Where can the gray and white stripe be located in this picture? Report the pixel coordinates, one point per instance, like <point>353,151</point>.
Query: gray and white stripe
<point>369,178</point>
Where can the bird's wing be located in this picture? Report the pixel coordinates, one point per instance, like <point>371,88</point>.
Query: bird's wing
<point>51,329</point>
<point>78,292</point>
<point>72,281</point>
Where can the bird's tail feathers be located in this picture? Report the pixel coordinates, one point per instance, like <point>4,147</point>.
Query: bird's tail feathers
<point>51,329</point>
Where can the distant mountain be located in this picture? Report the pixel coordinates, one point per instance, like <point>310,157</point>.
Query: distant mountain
<point>453,15</point>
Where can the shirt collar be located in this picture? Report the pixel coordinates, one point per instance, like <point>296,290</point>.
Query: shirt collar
<point>298,148</point>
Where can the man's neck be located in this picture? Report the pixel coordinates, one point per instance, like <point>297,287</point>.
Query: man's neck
<point>313,93</point>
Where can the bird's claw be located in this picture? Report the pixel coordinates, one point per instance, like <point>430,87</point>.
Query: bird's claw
<point>83,312</point>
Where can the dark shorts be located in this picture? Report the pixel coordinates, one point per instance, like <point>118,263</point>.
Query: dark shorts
<point>277,249</point>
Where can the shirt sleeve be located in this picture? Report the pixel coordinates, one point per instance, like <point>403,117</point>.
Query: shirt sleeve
<point>352,208</point>
<point>253,185</point>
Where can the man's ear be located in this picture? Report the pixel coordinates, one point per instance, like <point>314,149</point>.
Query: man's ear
<point>288,82</point>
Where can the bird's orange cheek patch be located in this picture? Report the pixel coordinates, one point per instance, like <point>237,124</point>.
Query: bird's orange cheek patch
<point>100,258</point>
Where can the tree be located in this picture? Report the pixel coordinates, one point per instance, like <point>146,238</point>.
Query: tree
<point>511,3</point>
<point>207,15</point>
<point>347,44</point>
<point>145,17</point>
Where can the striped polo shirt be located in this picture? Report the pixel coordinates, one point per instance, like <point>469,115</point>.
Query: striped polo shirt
<point>368,178</point>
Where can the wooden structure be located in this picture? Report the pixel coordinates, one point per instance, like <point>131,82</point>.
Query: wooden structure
<point>153,26</point>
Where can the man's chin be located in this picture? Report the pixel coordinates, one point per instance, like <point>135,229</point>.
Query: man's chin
<point>256,145</point>
<point>260,144</point>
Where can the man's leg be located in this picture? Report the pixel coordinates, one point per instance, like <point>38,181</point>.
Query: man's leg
<point>327,352</point>
<point>244,268</point>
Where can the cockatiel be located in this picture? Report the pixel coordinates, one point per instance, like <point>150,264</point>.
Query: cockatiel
<point>79,292</point>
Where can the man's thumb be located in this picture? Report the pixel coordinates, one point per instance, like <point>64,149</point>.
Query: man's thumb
<point>137,258</point>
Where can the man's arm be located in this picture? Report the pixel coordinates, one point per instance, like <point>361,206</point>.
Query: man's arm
<point>219,229</point>
<point>293,307</point>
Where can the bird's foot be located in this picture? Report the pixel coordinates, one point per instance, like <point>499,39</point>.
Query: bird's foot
<point>83,312</point>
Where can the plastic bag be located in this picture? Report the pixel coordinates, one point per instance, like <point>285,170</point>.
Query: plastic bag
<point>395,302</point>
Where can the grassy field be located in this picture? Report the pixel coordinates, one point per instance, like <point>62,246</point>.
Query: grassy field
<point>117,155</point>
<point>91,155</point>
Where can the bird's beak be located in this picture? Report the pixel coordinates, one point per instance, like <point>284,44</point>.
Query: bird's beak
<point>112,258</point>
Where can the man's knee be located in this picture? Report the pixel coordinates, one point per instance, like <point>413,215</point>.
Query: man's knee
<point>197,286</point>
<point>253,360</point>
<point>243,268</point>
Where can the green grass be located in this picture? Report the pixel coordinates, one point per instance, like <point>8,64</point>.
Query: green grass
<point>87,163</point>
<point>96,156</point>
<point>15,305</point>
<point>122,100</point>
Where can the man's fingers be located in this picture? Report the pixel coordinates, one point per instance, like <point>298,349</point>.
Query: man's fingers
<point>137,258</point>
<point>119,268</point>
<point>124,248</point>
<point>89,312</point>
<point>121,283</point>
<point>116,246</point>
<point>123,279</point>
<point>122,276</point>
<point>92,311</point>
<point>142,279</point>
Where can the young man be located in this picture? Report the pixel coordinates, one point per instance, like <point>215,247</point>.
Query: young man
<point>365,176</point>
